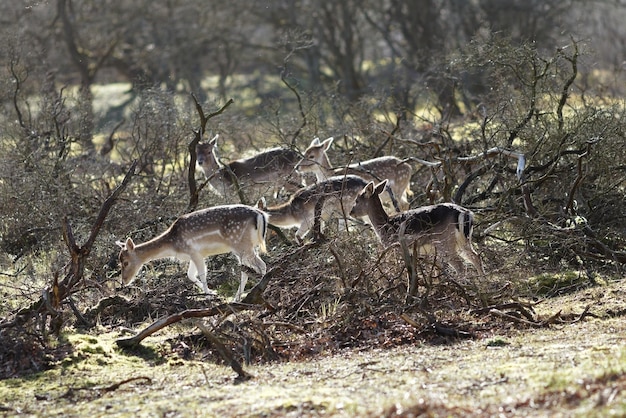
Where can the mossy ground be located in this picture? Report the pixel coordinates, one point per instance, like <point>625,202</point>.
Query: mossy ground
<point>571,369</point>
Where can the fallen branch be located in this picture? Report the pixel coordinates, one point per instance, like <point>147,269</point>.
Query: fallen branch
<point>450,332</point>
<point>172,319</point>
<point>116,300</point>
<point>512,306</point>
<point>603,249</point>
<point>436,326</point>
<point>512,318</point>
<point>410,321</point>
<point>228,357</point>
<point>253,300</point>
<point>70,391</point>
<point>584,314</point>
<point>497,311</point>
<point>116,386</point>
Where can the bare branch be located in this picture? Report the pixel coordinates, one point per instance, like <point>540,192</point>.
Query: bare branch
<point>390,135</point>
<point>298,98</point>
<point>61,290</point>
<point>16,91</point>
<point>568,83</point>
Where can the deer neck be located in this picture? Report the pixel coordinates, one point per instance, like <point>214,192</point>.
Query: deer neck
<point>223,176</point>
<point>159,247</point>
<point>216,172</point>
<point>291,213</point>
<point>213,163</point>
<point>283,215</point>
<point>323,169</point>
<point>376,213</point>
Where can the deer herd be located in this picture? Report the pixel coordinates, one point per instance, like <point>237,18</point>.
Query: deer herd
<point>356,191</point>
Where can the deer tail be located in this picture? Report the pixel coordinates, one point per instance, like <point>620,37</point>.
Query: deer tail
<point>261,227</point>
<point>466,224</point>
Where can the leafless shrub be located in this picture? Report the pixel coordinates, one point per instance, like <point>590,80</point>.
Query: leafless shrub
<point>564,210</point>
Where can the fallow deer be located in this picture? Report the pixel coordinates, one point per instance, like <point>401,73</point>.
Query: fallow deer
<point>445,228</point>
<point>333,197</point>
<point>273,169</point>
<point>398,172</point>
<point>237,229</point>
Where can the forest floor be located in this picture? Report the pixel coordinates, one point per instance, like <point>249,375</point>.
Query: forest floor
<point>575,368</point>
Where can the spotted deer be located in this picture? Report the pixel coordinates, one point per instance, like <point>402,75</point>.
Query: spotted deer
<point>271,169</point>
<point>333,197</point>
<point>237,229</point>
<point>396,171</point>
<point>445,228</point>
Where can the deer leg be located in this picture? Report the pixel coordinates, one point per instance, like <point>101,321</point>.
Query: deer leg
<point>457,263</point>
<point>472,256</point>
<point>303,229</point>
<point>404,201</point>
<point>192,273</point>
<point>249,262</point>
<point>254,262</point>
<point>197,266</point>
<point>463,248</point>
<point>242,285</point>
<point>318,216</point>
<point>449,252</point>
<point>342,224</point>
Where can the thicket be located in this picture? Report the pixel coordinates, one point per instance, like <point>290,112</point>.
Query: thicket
<point>540,161</point>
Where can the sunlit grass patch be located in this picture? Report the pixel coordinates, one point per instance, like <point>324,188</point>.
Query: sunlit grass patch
<point>497,342</point>
<point>550,284</point>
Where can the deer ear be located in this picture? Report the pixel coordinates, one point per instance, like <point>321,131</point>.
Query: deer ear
<point>130,245</point>
<point>327,142</point>
<point>261,204</point>
<point>315,142</point>
<point>381,186</point>
<point>213,141</point>
<point>120,244</point>
<point>368,189</point>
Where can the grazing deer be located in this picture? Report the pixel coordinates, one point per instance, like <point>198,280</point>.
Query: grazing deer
<point>334,197</point>
<point>274,168</point>
<point>398,172</point>
<point>238,229</point>
<point>445,227</point>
